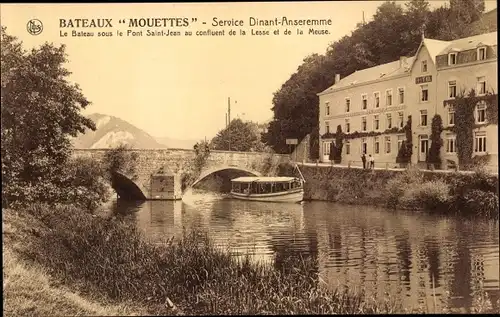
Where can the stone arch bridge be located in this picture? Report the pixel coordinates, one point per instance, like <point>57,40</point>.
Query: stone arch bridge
<point>151,161</point>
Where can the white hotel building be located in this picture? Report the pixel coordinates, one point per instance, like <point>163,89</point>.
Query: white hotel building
<point>381,98</point>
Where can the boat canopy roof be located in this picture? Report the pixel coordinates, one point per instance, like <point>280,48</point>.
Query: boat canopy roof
<point>247,179</point>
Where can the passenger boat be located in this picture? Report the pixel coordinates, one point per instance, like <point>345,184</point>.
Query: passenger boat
<point>269,189</point>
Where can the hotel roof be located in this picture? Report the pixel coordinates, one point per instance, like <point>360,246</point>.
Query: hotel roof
<point>369,74</point>
<point>469,43</point>
<point>392,69</point>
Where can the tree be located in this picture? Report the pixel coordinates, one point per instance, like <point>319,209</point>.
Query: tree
<point>40,110</point>
<point>239,135</point>
<point>406,150</point>
<point>436,142</point>
<point>339,137</point>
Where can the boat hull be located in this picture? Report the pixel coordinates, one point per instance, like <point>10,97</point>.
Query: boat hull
<point>295,196</point>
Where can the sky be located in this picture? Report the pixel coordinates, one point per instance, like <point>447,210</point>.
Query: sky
<point>178,87</point>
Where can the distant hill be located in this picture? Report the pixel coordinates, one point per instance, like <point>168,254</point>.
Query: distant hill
<point>111,132</point>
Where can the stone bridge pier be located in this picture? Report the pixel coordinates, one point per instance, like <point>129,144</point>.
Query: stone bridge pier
<point>172,163</point>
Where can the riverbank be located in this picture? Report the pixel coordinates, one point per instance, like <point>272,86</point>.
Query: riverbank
<point>109,262</point>
<point>30,290</point>
<point>473,193</point>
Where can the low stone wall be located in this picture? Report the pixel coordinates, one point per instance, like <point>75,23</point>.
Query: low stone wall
<point>361,186</point>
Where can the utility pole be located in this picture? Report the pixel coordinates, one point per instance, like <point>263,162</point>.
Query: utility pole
<point>229,120</point>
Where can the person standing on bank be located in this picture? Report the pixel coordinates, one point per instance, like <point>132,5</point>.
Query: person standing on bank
<point>363,159</point>
<point>371,161</point>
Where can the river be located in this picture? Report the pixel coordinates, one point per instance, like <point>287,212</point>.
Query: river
<point>386,253</point>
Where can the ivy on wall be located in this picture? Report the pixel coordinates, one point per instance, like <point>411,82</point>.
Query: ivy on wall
<point>406,150</point>
<point>464,106</point>
<point>336,149</point>
<point>357,134</point>
<point>436,141</point>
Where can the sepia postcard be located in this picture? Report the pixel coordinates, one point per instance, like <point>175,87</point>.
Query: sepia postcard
<point>229,158</point>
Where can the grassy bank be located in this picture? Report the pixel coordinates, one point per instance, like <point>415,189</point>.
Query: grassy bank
<point>28,290</point>
<point>110,262</point>
<point>466,194</point>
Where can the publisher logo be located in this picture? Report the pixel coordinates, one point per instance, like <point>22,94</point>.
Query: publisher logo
<point>34,27</point>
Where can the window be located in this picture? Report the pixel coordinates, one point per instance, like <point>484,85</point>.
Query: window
<point>376,96</point>
<point>424,93</point>
<point>327,108</point>
<point>401,138</point>
<point>450,143</point>
<point>363,123</point>
<point>347,147</point>
<point>452,88</point>
<point>401,119</point>
<point>376,145</point>
<point>387,144</point>
<point>376,122</point>
<point>424,66</point>
<point>481,113</point>
<point>451,116</point>
<point>363,146</point>
<point>347,126</point>
<point>327,127</point>
<point>347,104</point>
<point>481,85</point>
<point>364,101</point>
<point>481,53</point>
<point>452,58</point>
<point>388,97</point>
<point>401,95</point>
<point>423,118</point>
<point>326,148</point>
<point>389,121</point>
<point>480,142</point>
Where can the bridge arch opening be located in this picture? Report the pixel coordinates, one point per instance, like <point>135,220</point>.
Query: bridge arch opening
<point>126,188</point>
<point>219,179</point>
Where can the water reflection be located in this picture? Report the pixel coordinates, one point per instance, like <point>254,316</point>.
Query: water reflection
<point>408,256</point>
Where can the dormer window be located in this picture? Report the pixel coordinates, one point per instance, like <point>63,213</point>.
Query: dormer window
<point>452,58</point>
<point>481,53</point>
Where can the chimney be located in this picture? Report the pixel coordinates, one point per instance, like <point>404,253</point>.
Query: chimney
<point>337,78</point>
<point>403,61</point>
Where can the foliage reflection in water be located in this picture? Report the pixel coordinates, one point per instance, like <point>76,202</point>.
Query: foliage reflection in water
<point>413,257</point>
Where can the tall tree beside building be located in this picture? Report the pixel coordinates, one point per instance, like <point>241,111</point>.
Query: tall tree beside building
<point>40,110</point>
<point>295,105</point>
<point>406,150</point>
<point>436,142</point>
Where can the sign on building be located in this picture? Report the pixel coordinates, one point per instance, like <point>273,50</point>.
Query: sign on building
<point>423,79</point>
<point>291,141</point>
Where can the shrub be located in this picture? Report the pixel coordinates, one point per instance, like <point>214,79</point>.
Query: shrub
<point>121,160</point>
<point>480,203</point>
<point>409,190</point>
<point>480,161</point>
<point>85,184</point>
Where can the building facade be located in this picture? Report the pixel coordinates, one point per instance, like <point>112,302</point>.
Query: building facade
<point>372,106</point>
